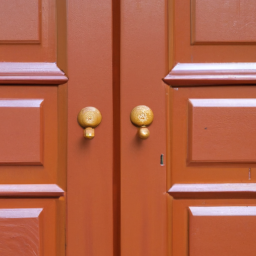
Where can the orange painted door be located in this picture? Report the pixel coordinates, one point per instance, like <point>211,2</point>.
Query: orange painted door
<point>188,189</point>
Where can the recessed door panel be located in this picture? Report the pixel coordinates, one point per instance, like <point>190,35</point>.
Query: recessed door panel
<point>213,227</point>
<point>222,230</point>
<point>29,134</point>
<point>212,134</point>
<point>21,131</point>
<point>222,130</point>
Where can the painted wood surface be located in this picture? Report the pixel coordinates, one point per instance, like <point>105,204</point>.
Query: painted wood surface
<point>227,230</point>
<point>31,190</point>
<point>222,130</point>
<point>20,232</point>
<point>198,74</point>
<point>20,116</point>
<point>227,31</point>
<point>232,171</point>
<point>143,179</point>
<point>229,21</point>
<point>223,190</point>
<point>31,73</point>
<point>90,162</point>
<point>29,31</point>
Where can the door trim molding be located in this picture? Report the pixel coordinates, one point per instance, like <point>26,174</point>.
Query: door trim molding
<point>226,190</point>
<point>31,190</point>
<point>31,73</point>
<point>200,74</point>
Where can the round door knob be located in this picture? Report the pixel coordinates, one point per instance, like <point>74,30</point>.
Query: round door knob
<point>89,118</point>
<point>142,116</point>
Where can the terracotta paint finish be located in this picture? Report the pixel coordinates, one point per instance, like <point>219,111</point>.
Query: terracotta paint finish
<point>33,128</point>
<point>226,218</point>
<point>222,231</point>
<point>20,231</point>
<point>181,49</point>
<point>143,179</point>
<point>229,21</point>
<point>31,73</point>
<point>90,162</point>
<point>20,21</point>
<point>198,74</point>
<point>21,117</point>
<point>224,190</point>
<point>30,130</point>
<point>235,169</point>
<point>28,31</point>
<point>228,124</point>
<point>30,227</point>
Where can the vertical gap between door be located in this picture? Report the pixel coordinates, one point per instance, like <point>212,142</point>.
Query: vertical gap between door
<point>116,125</point>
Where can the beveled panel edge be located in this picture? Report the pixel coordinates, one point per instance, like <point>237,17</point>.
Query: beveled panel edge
<point>20,213</point>
<point>225,190</point>
<point>31,73</point>
<point>200,74</point>
<point>30,190</point>
<point>223,210</point>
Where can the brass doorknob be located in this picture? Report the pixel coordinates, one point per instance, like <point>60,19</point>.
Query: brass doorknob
<point>89,118</point>
<point>142,116</point>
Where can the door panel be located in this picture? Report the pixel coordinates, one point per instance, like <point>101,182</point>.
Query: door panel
<point>212,31</point>
<point>28,31</point>
<point>31,227</point>
<point>29,134</point>
<point>212,136</point>
<point>210,226</point>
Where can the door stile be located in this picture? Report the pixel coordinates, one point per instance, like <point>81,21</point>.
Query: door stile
<point>90,162</point>
<point>144,61</point>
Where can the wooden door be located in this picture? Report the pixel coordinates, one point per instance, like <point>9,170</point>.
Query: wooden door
<point>189,189</point>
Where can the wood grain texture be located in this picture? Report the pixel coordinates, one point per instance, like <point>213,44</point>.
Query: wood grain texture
<point>31,73</point>
<point>225,123</point>
<point>198,74</point>
<point>20,21</point>
<point>143,179</point>
<point>21,132</point>
<point>31,190</point>
<point>20,232</point>
<point>229,21</point>
<point>213,190</point>
<point>225,230</point>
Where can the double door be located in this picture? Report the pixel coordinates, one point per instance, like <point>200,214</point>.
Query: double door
<point>186,190</point>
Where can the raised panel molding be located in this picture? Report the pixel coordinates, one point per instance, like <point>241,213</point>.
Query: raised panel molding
<point>222,230</point>
<point>218,127</point>
<point>31,73</point>
<point>224,190</point>
<point>20,232</point>
<point>198,74</point>
<point>21,132</point>
<point>31,190</point>
<point>20,21</point>
<point>218,21</point>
